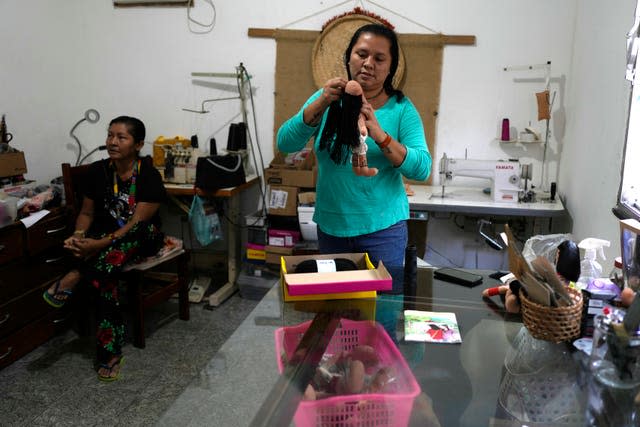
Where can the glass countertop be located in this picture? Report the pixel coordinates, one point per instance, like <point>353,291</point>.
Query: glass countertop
<point>498,375</point>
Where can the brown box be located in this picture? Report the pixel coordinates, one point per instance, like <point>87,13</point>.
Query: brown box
<point>12,164</point>
<point>307,198</point>
<point>301,174</point>
<point>293,177</point>
<point>305,163</point>
<point>283,200</point>
<point>273,254</point>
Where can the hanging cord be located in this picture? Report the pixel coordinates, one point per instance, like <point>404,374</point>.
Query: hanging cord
<point>361,4</point>
<point>404,17</point>
<point>315,14</point>
<point>79,149</point>
<point>245,74</point>
<point>543,184</point>
<point>207,26</point>
<point>101,148</point>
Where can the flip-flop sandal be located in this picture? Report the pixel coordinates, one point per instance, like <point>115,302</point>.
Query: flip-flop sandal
<point>118,363</point>
<point>54,299</point>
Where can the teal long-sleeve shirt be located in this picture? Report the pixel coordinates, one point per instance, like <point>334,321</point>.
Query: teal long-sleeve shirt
<point>348,205</point>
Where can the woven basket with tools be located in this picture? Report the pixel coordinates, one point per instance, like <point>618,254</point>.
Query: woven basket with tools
<point>554,324</point>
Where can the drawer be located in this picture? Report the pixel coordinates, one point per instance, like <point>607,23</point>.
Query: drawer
<point>47,233</point>
<point>18,312</point>
<point>23,275</point>
<point>12,242</point>
<point>47,265</point>
<point>28,338</point>
<point>14,279</point>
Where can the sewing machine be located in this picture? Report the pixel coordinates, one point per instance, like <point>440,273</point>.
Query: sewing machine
<point>179,164</point>
<point>506,176</point>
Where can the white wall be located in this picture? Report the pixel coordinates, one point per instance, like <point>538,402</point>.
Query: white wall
<point>61,57</point>
<point>65,57</point>
<point>597,115</point>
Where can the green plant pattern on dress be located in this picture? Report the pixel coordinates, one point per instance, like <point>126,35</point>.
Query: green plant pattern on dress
<point>143,239</point>
<point>110,336</point>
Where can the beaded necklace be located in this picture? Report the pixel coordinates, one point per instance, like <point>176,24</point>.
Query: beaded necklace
<point>132,189</point>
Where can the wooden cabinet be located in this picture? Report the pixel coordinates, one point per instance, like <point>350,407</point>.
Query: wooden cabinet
<point>31,259</point>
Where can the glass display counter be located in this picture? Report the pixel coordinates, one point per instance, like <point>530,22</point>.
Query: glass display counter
<point>498,375</point>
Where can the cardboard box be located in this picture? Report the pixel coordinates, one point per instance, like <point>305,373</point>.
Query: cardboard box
<point>303,160</point>
<point>286,238</point>
<point>362,283</point>
<point>274,253</point>
<point>365,307</point>
<point>300,174</point>
<point>292,177</point>
<point>12,164</point>
<point>307,198</point>
<point>282,200</point>
<point>255,252</point>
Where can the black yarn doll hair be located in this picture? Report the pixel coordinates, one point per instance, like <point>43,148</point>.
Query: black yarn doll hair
<point>340,132</point>
<point>311,266</point>
<point>568,261</point>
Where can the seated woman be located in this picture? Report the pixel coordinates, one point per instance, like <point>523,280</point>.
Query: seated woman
<point>118,223</point>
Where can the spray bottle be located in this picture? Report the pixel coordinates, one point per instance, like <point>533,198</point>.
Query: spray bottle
<point>589,267</point>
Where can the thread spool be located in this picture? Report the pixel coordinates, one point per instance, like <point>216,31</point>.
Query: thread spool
<point>506,134</point>
<point>237,138</point>
<point>213,150</point>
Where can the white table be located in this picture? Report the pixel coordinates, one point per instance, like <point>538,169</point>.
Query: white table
<point>471,200</point>
<point>541,217</point>
<point>232,195</point>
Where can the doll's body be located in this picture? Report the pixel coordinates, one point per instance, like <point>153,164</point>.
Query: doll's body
<point>359,148</point>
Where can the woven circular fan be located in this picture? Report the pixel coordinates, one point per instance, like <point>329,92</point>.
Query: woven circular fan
<point>327,58</point>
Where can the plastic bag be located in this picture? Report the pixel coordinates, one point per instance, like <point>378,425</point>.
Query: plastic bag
<point>205,222</point>
<point>544,245</point>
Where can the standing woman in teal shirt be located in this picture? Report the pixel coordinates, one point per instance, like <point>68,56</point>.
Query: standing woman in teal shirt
<point>356,213</point>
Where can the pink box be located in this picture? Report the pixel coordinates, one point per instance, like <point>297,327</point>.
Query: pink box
<point>286,238</point>
<point>366,278</point>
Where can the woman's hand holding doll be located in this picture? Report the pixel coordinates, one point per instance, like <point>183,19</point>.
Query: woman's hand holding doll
<point>359,150</point>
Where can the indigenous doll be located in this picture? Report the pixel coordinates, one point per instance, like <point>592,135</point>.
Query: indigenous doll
<point>351,103</point>
<point>345,131</point>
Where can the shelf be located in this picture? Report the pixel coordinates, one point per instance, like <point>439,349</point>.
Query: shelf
<point>517,141</point>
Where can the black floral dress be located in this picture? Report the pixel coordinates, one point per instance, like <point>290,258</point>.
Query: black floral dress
<point>115,201</point>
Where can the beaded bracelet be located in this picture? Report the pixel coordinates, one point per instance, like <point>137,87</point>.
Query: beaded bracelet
<point>384,143</point>
<point>112,237</point>
<point>79,234</point>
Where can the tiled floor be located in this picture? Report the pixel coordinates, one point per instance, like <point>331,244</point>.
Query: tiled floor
<point>56,384</point>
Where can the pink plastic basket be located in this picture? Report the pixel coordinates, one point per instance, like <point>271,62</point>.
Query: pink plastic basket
<point>373,409</point>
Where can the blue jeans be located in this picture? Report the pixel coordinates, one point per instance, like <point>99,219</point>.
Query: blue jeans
<point>387,245</point>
